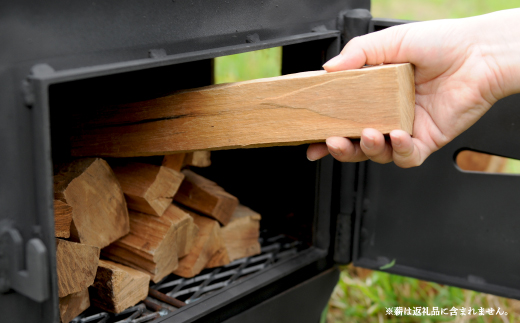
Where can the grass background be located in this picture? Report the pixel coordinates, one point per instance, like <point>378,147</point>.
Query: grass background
<point>362,295</point>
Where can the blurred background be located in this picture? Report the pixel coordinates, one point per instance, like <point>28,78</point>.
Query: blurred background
<point>363,295</point>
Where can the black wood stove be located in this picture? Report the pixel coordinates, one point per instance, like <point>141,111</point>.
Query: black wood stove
<point>436,222</point>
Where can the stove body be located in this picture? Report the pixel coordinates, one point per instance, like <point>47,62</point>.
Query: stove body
<point>437,222</point>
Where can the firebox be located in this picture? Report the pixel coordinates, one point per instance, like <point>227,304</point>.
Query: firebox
<point>434,222</point>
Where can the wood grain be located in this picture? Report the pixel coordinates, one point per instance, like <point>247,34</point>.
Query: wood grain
<point>62,219</point>
<point>287,110</point>
<point>147,188</point>
<point>154,243</point>
<point>208,242</point>
<point>241,235</point>
<point>99,212</point>
<point>220,258</point>
<point>206,197</point>
<point>72,305</point>
<point>76,265</point>
<point>117,287</point>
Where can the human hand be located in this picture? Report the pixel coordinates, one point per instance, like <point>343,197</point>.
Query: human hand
<point>462,67</point>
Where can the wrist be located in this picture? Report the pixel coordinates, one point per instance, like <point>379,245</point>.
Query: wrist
<point>499,49</point>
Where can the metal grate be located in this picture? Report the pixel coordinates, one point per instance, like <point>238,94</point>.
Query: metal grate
<point>174,291</point>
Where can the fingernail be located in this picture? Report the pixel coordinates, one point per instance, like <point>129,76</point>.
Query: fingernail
<point>368,142</point>
<point>333,61</point>
<point>310,159</point>
<point>396,141</point>
<point>335,151</point>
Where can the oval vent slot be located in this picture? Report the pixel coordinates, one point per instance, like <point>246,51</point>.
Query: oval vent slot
<point>473,161</point>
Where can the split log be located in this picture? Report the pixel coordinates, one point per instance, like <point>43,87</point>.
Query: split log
<point>148,188</point>
<point>205,196</point>
<point>76,265</point>
<point>62,219</point>
<point>175,161</point>
<point>118,287</point>
<point>72,305</point>
<point>154,243</point>
<point>240,237</point>
<point>198,158</point>
<point>99,212</point>
<point>220,258</point>
<point>286,110</point>
<point>208,242</point>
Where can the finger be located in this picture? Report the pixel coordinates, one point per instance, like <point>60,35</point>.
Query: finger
<point>344,150</point>
<point>405,151</point>
<point>373,49</point>
<point>375,147</point>
<point>317,151</point>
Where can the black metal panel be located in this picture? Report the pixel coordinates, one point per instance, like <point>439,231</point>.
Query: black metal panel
<point>442,224</point>
<point>303,303</point>
<point>71,34</point>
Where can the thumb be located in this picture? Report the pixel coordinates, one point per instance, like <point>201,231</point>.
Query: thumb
<point>382,47</point>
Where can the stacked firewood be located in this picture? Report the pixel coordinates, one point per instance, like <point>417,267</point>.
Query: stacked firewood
<point>146,218</point>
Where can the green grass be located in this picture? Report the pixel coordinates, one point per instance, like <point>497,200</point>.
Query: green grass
<point>249,66</point>
<point>437,9</point>
<point>364,298</point>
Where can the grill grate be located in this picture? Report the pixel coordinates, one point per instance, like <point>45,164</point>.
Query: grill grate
<point>174,291</point>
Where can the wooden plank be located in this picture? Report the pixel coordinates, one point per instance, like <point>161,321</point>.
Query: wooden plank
<point>99,212</point>
<point>201,158</point>
<point>118,287</point>
<point>62,219</point>
<point>72,305</point>
<point>148,188</point>
<point>154,243</point>
<point>76,265</point>
<point>287,110</point>
<point>206,197</point>
<point>208,242</point>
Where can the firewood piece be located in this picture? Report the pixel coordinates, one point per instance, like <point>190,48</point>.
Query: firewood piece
<point>208,242</point>
<point>74,304</point>
<point>148,188</point>
<point>220,258</point>
<point>175,161</point>
<point>241,235</point>
<point>62,219</point>
<point>199,158</point>
<point>117,287</point>
<point>207,197</point>
<point>154,243</point>
<point>76,265</point>
<point>99,212</point>
<point>287,110</point>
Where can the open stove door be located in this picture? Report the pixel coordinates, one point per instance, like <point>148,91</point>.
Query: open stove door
<point>436,222</point>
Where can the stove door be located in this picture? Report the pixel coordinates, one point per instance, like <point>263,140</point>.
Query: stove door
<point>437,222</point>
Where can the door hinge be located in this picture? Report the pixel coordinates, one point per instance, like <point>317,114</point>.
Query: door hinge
<point>32,282</point>
<point>353,23</point>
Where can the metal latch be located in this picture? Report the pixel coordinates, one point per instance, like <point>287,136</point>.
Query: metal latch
<point>32,282</point>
